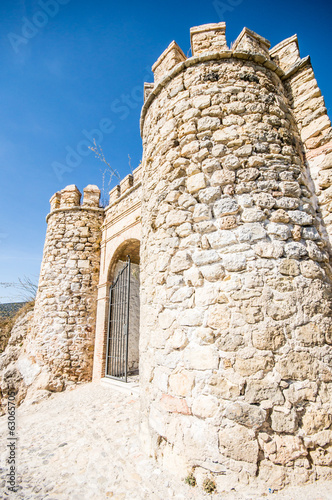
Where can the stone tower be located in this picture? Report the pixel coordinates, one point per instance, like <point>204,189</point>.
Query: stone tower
<point>236,329</point>
<point>64,318</point>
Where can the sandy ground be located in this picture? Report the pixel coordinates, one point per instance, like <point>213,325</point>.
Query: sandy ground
<point>83,444</point>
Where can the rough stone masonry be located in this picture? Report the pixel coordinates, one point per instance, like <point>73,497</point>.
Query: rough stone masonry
<point>236,329</point>
<point>232,208</point>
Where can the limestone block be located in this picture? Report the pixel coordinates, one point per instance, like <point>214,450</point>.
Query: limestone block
<point>284,420</point>
<point>315,253</point>
<point>166,318</point>
<point>181,261</point>
<point>284,449</point>
<point>295,250</point>
<point>310,233</point>
<point>310,335</point>
<point>193,276</point>
<point>83,264</point>
<point>286,53</point>
<point>225,135</point>
<point>207,123</point>
<point>220,239</point>
<point>298,366</point>
<point>55,201</point>
<point>202,101</point>
<point>289,267</point>
<point>264,200</point>
<point>245,414</point>
<point>270,338</point>
<point>238,443</point>
<point>311,269</point>
<point>91,196</point>
<point>234,262</point>
<point>269,250</point>
<point>247,367</point>
<point>174,405</point>
<point>231,162</point>
<point>213,272</point>
<point>252,215</point>
<point>181,383</point>
<point>227,222</point>
<point>172,56</point>
<point>208,38</point>
<point>208,294</point>
<point>291,189</point>
<point>209,195</point>
<point>177,217</point>
<point>160,378</point>
<point>315,127</point>
<point>182,294</point>
<point>263,390</point>
<point>204,257</point>
<point>316,419</point>
<point>201,212</point>
<point>196,183</point>
<point>281,231</point>
<point>223,388</point>
<point>219,317</point>
<point>322,456</point>
<point>249,41</point>
<point>250,232</point>
<point>280,216</point>
<point>70,197</point>
<point>301,391</point>
<point>178,340</point>
<point>205,406</point>
<point>191,317</point>
<point>201,358</point>
<point>279,310</point>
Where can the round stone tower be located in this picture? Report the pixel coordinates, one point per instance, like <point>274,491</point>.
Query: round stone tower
<point>64,318</point>
<point>235,356</point>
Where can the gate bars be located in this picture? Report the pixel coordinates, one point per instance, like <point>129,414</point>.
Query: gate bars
<point>118,326</point>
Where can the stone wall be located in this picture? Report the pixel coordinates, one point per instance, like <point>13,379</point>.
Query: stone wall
<point>236,329</point>
<point>64,318</point>
<point>121,234</point>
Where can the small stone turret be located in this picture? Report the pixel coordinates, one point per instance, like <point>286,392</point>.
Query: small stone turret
<point>64,319</point>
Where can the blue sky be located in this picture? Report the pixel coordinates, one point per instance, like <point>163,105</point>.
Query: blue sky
<point>74,66</point>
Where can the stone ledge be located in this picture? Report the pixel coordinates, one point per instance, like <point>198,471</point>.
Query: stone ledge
<point>296,67</point>
<point>74,209</point>
<point>126,388</point>
<point>123,196</point>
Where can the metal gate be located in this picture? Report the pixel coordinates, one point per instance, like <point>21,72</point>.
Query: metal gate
<point>118,326</point>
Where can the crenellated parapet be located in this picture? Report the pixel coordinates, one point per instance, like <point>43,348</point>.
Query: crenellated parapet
<point>129,184</point>
<point>70,198</point>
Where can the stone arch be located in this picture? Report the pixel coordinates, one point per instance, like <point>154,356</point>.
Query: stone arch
<point>129,247</point>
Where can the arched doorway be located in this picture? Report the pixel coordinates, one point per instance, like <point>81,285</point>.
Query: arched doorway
<point>122,349</point>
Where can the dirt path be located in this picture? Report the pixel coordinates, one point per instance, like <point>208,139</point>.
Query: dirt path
<point>83,445</point>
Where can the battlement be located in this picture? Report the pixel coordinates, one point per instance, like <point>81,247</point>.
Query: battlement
<point>126,186</point>
<point>70,197</point>
<point>209,40</point>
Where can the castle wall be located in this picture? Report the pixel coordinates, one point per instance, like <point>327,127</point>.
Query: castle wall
<point>308,107</point>
<point>235,356</point>
<point>65,310</point>
<point>121,234</point>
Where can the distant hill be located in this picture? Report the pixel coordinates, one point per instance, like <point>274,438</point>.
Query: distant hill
<point>10,309</point>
